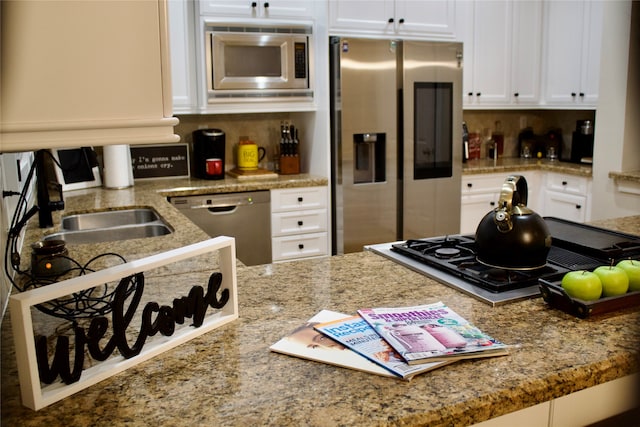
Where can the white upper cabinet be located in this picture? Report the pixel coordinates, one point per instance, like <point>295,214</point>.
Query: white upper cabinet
<point>502,44</point>
<point>84,73</point>
<point>573,37</point>
<point>427,20</point>
<point>257,9</point>
<point>183,61</point>
<point>526,52</point>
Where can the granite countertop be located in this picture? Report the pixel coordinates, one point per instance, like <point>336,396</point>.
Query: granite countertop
<point>153,193</point>
<point>229,377</point>
<point>516,164</point>
<point>633,176</point>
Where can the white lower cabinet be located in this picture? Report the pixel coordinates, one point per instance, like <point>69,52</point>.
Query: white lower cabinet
<point>578,409</point>
<point>553,194</point>
<point>567,197</point>
<point>299,223</point>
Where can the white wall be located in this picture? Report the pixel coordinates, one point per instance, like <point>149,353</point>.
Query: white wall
<point>617,127</point>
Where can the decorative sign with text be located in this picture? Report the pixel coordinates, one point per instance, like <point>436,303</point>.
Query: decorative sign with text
<point>160,161</point>
<point>137,329</point>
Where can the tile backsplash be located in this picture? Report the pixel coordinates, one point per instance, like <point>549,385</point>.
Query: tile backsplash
<point>263,129</point>
<point>513,121</point>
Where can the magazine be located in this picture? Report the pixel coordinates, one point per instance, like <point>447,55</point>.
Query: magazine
<point>431,332</point>
<point>355,333</point>
<point>307,343</point>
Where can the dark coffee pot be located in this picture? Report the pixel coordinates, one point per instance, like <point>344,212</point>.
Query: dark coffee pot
<point>512,236</point>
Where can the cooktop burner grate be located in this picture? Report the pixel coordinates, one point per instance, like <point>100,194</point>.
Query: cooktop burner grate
<point>456,255</point>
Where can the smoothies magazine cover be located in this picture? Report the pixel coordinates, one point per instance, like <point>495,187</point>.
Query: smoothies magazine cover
<point>355,333</point>
<point>307,343</point>
<point>427,333</point>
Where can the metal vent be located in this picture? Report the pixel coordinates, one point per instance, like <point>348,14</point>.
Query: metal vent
<point>231,28</point>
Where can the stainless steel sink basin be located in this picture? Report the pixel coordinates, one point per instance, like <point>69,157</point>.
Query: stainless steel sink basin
<point>111,226</point>
<point>107,219</point>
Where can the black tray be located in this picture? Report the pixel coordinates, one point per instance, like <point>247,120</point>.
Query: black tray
<point>593,241</point>
<point>556,297</point>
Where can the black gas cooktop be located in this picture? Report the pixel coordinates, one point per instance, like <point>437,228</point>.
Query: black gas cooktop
<point>456,254</point>
<point>452,260</point>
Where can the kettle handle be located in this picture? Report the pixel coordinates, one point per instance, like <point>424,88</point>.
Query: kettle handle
<point>514,193</point>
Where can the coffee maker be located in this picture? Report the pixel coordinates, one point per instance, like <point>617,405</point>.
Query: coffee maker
<point>582,142</point>
<point>208,150</point>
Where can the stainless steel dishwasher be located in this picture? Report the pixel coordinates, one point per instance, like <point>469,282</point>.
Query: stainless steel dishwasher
<point>245,216</point>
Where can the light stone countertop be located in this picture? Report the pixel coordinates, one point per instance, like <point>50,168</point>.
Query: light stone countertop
<point>633,176</point>
<point>516,164</point>
<point>229,377</point>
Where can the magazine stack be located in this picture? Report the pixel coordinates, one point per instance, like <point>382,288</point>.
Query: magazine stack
<point>400,342</point>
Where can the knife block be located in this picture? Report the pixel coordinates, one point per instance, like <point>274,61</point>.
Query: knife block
<point>289,165</point>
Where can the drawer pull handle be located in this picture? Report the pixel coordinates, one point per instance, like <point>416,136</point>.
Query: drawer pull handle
<point>300,246</point>
<point>578,206</point>
<point>492,203</point>
<point>564,182</point>
<point>300,223</point>
<point>469,185</point>
<point>300,199</point>
<point>390,21</point>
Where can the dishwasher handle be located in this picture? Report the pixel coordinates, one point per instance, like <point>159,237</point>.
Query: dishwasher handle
<point>219,209</point>
<point>222,210</point>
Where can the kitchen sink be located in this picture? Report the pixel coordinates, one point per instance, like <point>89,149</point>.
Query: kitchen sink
<point>108,219</point>
<point>110,226</point>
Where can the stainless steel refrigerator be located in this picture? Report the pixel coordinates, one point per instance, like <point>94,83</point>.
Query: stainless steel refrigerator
<point>396,125</point>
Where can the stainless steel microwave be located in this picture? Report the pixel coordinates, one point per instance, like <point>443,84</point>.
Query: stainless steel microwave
<point>257,62</point>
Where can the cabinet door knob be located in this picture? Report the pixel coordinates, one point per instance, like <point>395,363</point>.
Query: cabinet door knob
<point>390,21</point>
<point>401,20</point>
<point>266,5</point>
<point>469,184</point>
<point>573,94</point>
<point>470,94</point>
<point>516,94</point>
<point>300,246</point>
<point>254,4</point>
<point>564,182</point>
<point>478,93</point>
<point>578,206</point>
<point>300,223</point>
<point>582,94</point>
<point>300,199</point>
<point>492,203</point>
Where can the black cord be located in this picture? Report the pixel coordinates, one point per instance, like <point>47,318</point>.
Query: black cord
<point>88,303</point>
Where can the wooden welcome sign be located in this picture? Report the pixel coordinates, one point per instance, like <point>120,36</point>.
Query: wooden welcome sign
<point>208,306</point>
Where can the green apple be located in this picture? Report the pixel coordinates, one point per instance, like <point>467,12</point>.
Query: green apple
<point>582,284</point>
<point>632,268</point>
<point>614,280</point>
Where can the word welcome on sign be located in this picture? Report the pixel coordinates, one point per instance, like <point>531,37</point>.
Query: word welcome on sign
<point>221,295</point>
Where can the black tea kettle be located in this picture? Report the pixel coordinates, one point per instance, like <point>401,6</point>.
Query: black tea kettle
<point>512,236</point>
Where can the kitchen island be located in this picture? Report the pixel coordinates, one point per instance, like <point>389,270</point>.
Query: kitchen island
<point>229,376</point>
